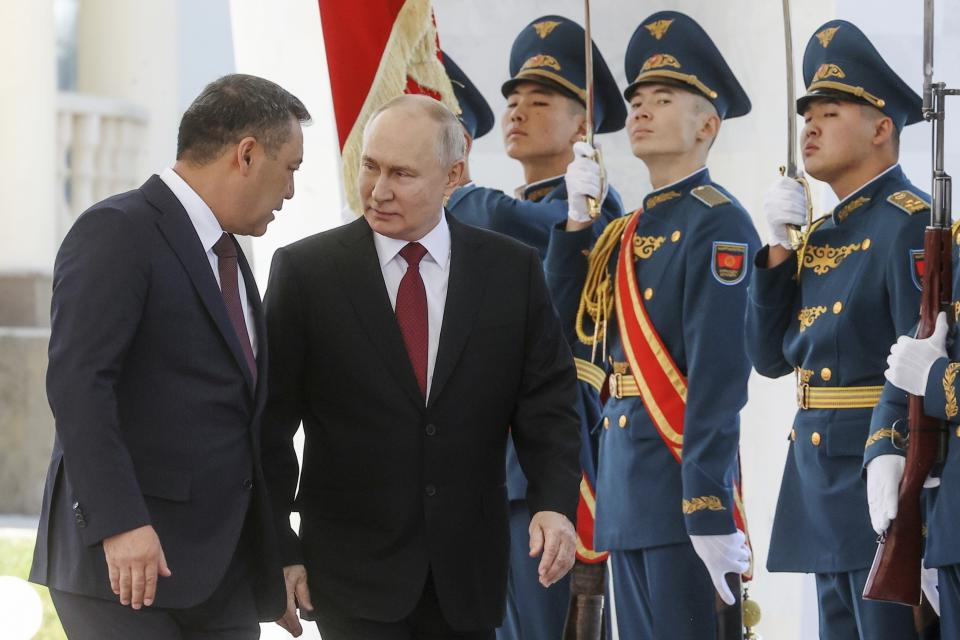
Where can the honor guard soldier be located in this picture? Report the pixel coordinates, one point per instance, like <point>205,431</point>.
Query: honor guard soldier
<point>545,114</point>
<point>926,368</point>
<point>661,298</point>
<point>829,312</point>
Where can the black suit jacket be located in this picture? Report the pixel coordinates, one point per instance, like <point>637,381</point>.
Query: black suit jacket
<point>390,485</point>
<point>157,419</point>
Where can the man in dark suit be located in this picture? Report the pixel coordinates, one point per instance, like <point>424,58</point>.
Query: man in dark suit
<point>157,379</point>
<point>409,344</point>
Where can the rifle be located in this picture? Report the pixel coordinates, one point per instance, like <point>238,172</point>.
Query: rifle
<point>895,574</point>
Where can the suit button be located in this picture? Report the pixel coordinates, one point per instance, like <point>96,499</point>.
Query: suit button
<point>793,435</point>
<point>648,294</point>
<point>622,421</point>
<point>826,374</point>
<point>431,430</point>
<point>815,439</point>
<point>247,484</point>
<point>430,490</point>
<point>837,307</point>
<point>606,424</point>
<point>958,432</point>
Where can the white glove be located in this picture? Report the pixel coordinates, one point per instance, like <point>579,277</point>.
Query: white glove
<point>583,179</point>
<point>723,554</point>
<point>931,587</point>
<point>883,489</point>
<point>784,203</point>
<point>910,359</point>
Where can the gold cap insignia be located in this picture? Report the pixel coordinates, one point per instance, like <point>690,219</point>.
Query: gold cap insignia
<point>828,71</point>
<point>826,36</point>
<point>658,28</point>
<point>541,60</point>
<point>658,60</point>
<point>546,27</point>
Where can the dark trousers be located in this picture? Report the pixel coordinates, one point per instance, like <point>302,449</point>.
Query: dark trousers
<point>659,593</point>
<point>425,622</point>
<point>845,615</point>
<point>230,613</point>
<point>533,612</point>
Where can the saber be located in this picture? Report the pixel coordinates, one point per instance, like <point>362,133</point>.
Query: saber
<point>593,203</point>
<point>796,235</point>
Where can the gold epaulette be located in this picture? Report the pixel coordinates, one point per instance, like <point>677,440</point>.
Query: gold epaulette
<point>710,196</point>
<point>596,299</point>
<point>909,202</point>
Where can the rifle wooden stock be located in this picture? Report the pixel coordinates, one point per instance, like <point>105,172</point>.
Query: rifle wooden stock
<point>730,616</point>
<point>895,574</point>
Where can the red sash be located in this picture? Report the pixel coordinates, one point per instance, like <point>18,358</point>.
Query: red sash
<point>586,516</point>
<point>662,386</point>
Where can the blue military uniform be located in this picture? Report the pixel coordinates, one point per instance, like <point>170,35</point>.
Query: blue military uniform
<point>548,51</point>
<point>888,430</point>
<point>830,314</point>
<point>691,253</point>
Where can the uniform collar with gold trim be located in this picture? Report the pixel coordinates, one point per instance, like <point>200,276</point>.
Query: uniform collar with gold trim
<point>866,193</point>
<point>536,191</point>
<point>675,190</point>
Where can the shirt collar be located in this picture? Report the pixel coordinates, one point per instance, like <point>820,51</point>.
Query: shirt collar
<point>200,214</point>
<point>436,242</point>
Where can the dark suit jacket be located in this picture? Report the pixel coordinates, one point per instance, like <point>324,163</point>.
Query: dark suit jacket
<point>157,421</point>
<point>391,486</point>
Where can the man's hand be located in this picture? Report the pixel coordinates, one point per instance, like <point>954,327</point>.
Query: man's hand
<point>298,594</point>
<point>883,488</point>
<point>910,359</point>
<point>785,203</point>
<point>552,534</point>
<point>723,554</point>
<point>583,181</point>
<point>134,560</point>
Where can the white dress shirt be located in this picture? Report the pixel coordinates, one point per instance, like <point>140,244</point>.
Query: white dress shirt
<point>209,231</point>
<point>434,271</point>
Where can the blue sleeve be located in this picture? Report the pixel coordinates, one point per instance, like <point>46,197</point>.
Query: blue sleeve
<point>566,271</point>
<point>943,383</point>
<point>771,300</point>
<point>903,284</point>
<point>888,425</point>
<point>100,286</point>
<point>717,372</point>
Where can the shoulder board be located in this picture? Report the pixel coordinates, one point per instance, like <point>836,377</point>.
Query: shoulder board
<point>709,195</point>
<point>909,202</point>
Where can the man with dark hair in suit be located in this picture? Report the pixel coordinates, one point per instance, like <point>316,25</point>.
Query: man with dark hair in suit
<point>154,500</point>
<point>408,344</point>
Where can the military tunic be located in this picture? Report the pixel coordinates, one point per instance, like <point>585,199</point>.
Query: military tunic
<point>888,429</point>
<point>692,250</point>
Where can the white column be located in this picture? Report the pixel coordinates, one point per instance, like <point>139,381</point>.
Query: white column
<point>27,128</point>
<point>130,50</point>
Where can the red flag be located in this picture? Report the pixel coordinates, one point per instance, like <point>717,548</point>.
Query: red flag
<point>377,50</point>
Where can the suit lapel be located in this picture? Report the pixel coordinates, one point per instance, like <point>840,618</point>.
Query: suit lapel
<point>368,294</point>
<point>183,239</point>
<point>468,279</point>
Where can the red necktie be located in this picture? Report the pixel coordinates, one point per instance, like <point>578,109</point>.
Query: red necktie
<point>226,252</point>
<point>412,312</point>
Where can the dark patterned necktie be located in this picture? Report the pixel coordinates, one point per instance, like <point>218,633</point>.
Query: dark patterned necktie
<point>226,252</point>
<point>412,312</point>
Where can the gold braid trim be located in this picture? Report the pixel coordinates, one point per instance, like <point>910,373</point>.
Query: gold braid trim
<point>596,299</point>
<point>884,434</point>
<point>712,503</point>
<point>949,391</point>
